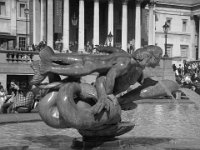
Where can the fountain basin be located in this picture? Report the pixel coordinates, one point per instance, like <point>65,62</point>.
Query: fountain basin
<point>159,124</point>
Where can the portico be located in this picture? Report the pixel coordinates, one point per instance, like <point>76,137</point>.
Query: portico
<point>95,20</point>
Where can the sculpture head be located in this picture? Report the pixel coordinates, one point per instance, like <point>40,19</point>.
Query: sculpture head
<point>148,56</point>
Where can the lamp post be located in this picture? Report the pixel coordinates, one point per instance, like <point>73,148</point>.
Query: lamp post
<point>74,20</point>
<point>165,29</point>
<point>110,37</point>
<point>26,11</point>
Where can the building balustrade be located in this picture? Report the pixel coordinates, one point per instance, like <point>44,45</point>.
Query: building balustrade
<point>19,56</point>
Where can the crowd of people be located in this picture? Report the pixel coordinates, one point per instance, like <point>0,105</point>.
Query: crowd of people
<point>188,75</point>
<point>18,99</point>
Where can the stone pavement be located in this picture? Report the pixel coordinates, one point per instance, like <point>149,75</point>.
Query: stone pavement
<point>17,118</point>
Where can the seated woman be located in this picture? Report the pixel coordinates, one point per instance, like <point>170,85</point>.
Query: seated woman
<point>22,102</point>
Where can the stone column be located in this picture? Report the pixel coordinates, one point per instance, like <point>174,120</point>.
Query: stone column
<point>65,26</point>
<point>199,39</point>
<point>43,34</point>
<point>138,25</point>
<point>151,28</point>
<point>192,39</point>
<point>96,23</point>
<point>13,16</point>
<point>50,23</point>
<point>81,27</point>
<point>124,25</point>
<point>34,23</point>
<point>111,19</point>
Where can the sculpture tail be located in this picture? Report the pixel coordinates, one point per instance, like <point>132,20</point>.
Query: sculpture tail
<point>45,67</point>
<point>38,77</point>
<point>162,88</point>
<point>61,110</point>
<point>80,117</point>
<point>46,54</point>
<point>49,112</point>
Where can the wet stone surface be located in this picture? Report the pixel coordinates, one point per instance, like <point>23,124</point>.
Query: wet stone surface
<point>167,126</point>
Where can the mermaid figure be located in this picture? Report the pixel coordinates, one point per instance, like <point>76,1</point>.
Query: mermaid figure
<point>117,70</point>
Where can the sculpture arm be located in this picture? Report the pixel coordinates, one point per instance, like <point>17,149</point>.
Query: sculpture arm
<point>118,70</point>
<point>100,87</point>
<point>101,94</point>
<point>105,86</point>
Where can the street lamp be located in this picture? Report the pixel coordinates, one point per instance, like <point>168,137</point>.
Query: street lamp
<point>165,29</point>
<point>110,37</point>
<point>74,20</point>
<point>26,12</point>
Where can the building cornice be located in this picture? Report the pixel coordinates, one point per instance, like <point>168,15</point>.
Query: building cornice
<point>182,3</point>
<point>194,9</point>
<point>175,33</point>
<point>166,5</point>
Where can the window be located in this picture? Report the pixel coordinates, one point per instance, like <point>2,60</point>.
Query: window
<point>169,50</point>
<point>184,25</point>
<point>22,43</point>
<point>21,10</point>
<point>169,20</point>
<point>2,8</point>
<point>3,44</point>
<point>184,51</point>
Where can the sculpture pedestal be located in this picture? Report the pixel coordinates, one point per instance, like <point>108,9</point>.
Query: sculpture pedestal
<point>164,70</point>
<point>166,66</point>
<point>104,137</point>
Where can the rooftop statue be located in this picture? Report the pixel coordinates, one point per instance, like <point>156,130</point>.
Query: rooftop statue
<point>95,109</point>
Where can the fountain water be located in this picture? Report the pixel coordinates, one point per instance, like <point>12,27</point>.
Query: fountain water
<point>193,96</point>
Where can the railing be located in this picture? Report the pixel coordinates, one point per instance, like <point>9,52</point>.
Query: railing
<point>19,56</point>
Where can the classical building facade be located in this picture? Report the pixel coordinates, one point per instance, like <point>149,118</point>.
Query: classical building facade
<point>131,22</point>
<point>14,40</point>
<point>70,23</point>
<point>75,24</point>
<point>183,33</point>
<point>14,22</point>
<point>89,21</point>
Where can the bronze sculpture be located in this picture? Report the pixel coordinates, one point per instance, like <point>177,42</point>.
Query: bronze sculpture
<point>95,110</point>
